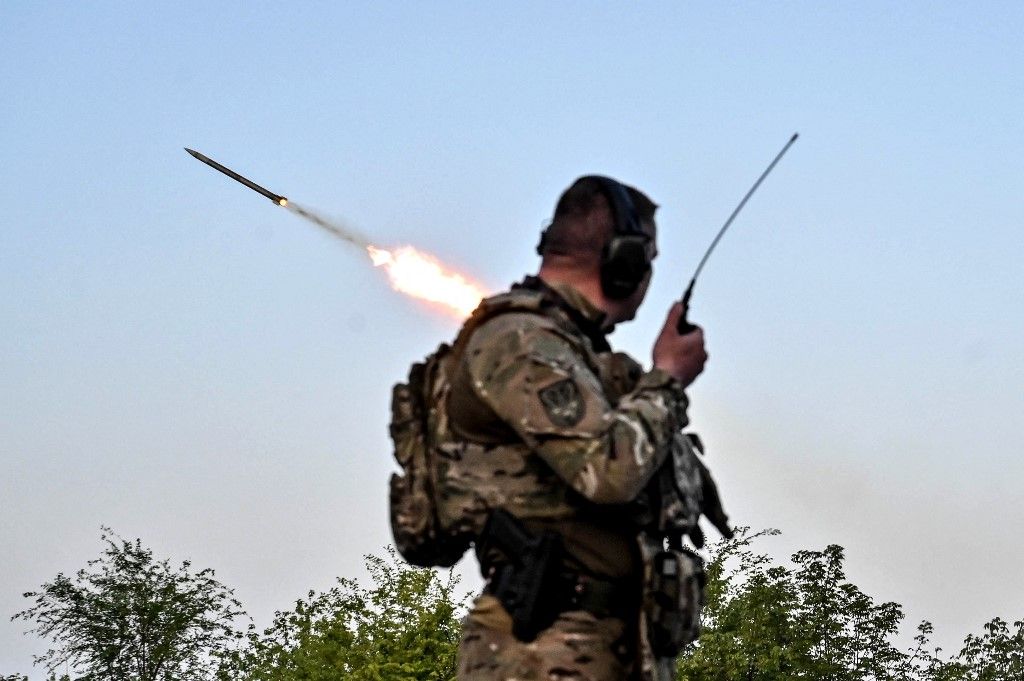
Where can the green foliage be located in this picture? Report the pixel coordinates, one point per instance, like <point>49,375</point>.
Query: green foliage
<point>999,653</point>
<point>749,628</point>
<point>996,655</point>
<point>765,622</point>
<point>403,628</point>
<point>128,616</point>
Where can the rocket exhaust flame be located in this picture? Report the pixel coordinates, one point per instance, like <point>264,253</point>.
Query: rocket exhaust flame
<point>422,276</point>
<point>410,271</point>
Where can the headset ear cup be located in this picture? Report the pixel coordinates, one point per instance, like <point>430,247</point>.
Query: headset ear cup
<point>624,266</point>
<point>543,242</point>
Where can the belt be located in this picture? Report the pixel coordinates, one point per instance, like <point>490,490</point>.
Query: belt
<point>599,597</point>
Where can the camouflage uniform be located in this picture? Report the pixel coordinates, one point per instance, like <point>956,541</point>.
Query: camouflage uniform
<point>577,646</point>
<point>541,419</point>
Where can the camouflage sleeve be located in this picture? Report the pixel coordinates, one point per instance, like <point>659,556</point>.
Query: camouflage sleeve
<point>534,377</point>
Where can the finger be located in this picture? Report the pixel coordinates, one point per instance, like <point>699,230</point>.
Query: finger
<point>699,338</point>
<point>690,327</point>
<point>673,313</point>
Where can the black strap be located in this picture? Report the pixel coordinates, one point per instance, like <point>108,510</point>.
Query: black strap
<point>602,598</point>
<point>599,597</point>
<point>526,572</point>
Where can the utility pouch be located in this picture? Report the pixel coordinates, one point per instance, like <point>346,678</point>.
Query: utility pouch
<point>413,499</point>
<point>529,584</point>
<point>673,598</point>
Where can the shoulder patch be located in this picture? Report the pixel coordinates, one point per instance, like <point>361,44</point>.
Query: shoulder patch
<point>563,403</point>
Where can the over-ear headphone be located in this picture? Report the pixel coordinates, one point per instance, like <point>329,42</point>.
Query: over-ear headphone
<point>624,262</point>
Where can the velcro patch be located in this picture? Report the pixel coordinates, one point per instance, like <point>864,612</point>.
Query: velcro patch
<point>562,402</point>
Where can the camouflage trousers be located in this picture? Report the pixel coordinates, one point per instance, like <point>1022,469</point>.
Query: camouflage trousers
<point>578,646</point>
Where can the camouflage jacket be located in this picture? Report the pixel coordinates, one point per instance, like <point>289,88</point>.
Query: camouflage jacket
<point>540,418</point>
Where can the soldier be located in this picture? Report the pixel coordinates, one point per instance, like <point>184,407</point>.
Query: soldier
<point>564,462</point>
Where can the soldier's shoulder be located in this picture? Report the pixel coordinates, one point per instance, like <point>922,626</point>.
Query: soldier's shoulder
<point>512,329</point>
<point>517,299</point>
<point>518,308</point>
<point>516,323</point>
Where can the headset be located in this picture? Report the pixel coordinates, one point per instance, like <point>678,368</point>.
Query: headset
<point>624,261</point>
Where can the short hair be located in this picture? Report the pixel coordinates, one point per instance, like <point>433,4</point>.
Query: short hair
<point>583,220</point>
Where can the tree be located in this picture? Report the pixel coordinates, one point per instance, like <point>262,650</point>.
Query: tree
<point>129,616</point>
<point>770,622</point>
<point>403,628</point>
<point>767,622</point>
<point>749,631</point>
<point>996,655</point>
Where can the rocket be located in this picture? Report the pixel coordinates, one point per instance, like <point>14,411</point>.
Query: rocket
<point>276,198</point>
<point>411,272</point>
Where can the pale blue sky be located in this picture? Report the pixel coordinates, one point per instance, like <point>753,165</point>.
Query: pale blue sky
<point>185,363</point>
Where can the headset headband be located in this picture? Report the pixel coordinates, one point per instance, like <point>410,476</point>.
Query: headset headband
<point>626,221</point>
<point>624,258</point>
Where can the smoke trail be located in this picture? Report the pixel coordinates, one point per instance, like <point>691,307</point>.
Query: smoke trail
<point>411,272</point>
<point>343,233</point>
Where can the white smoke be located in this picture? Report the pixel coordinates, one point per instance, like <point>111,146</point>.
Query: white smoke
<point>344,233</point>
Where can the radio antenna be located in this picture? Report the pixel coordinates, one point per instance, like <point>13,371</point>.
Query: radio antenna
<point>684,326</point>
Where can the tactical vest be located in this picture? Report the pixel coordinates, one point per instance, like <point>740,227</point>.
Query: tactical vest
<point>456,471</point>
<point>451,480</point>
<point>483,464</point>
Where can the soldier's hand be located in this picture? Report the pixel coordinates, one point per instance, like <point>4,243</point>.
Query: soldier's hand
<point>681,356</point>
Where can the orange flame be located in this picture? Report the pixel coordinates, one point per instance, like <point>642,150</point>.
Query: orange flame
<point>422,276</point>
